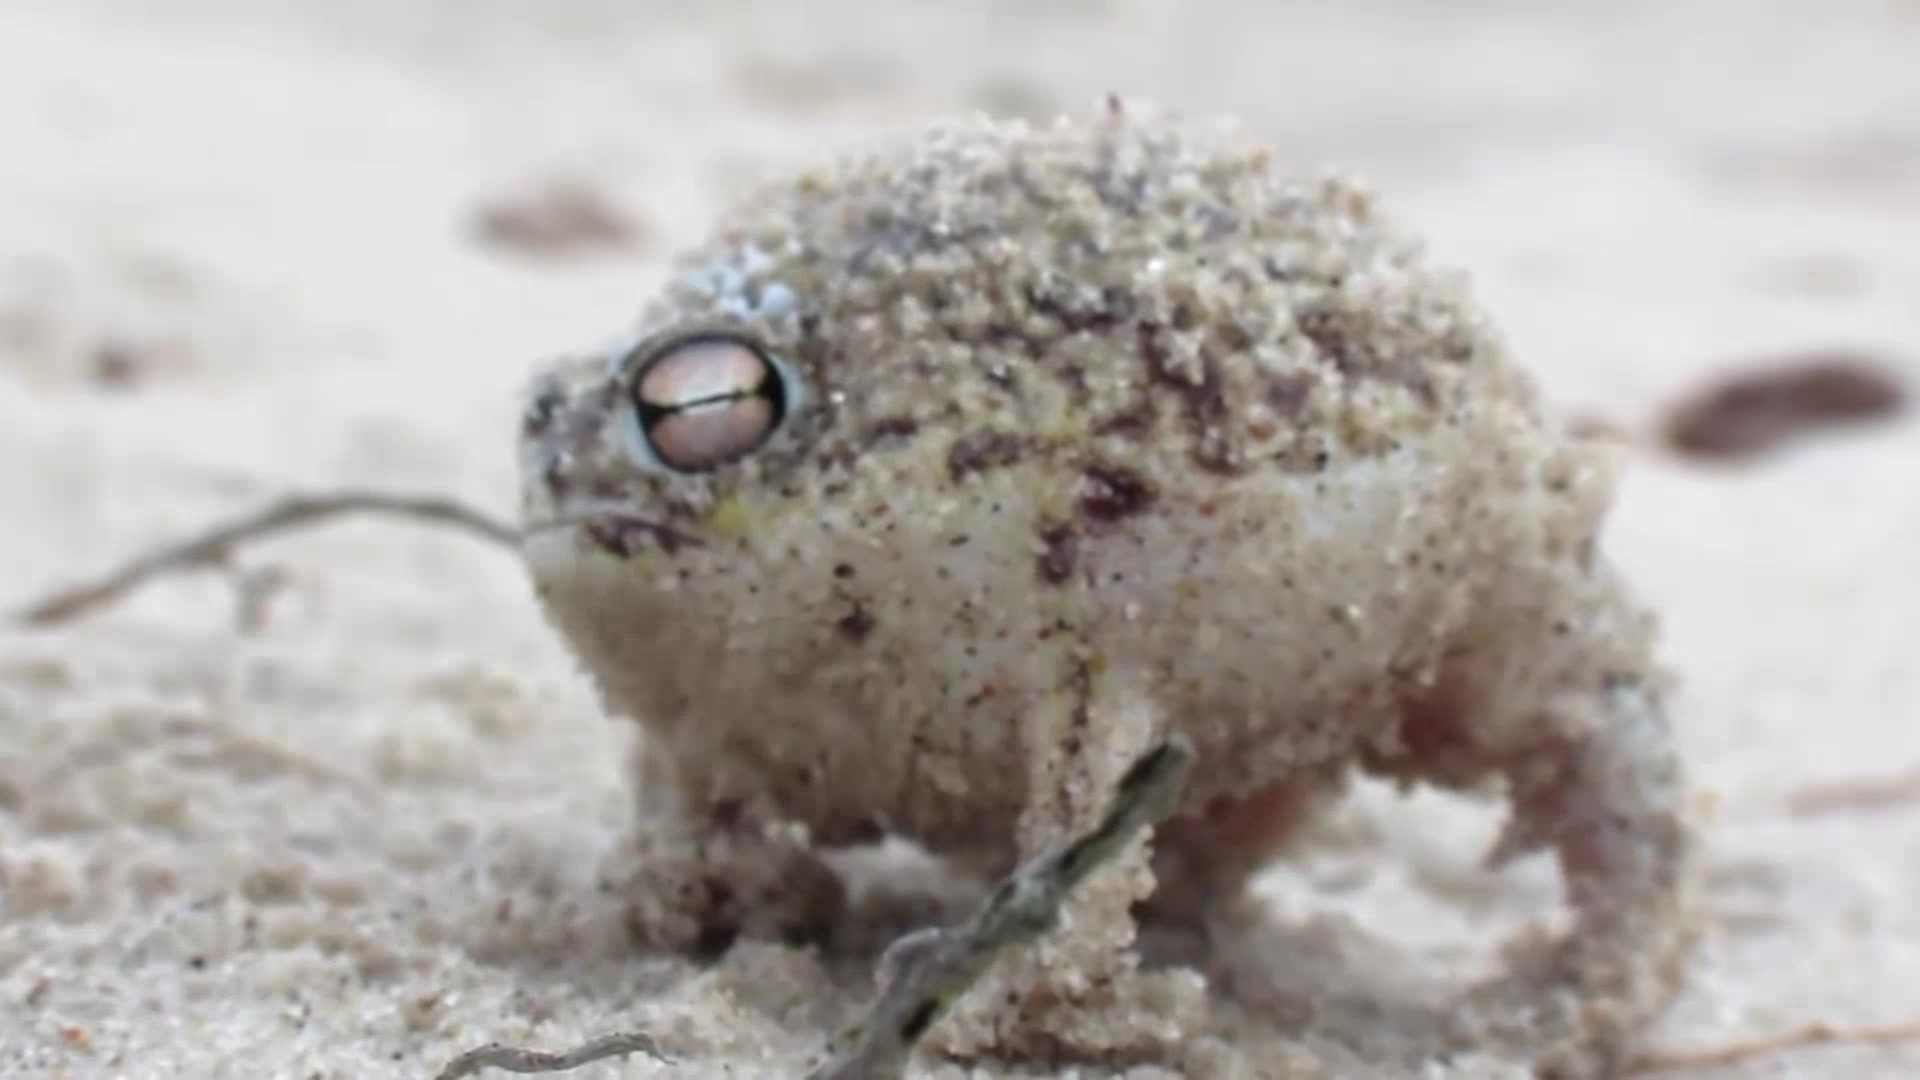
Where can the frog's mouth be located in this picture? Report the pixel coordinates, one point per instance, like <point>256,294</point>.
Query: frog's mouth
<point>614,529</point>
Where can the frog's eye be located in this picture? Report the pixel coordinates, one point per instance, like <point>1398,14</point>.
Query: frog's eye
<point>702,402</point>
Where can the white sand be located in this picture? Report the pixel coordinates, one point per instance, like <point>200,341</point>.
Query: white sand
<point>366,836</point>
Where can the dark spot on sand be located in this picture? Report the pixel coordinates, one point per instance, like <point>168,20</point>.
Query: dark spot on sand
<point>1080,684</point>
<point>1060,551</point>
<point>1280,271</point>
<point>558,219</point>
<point>1287,395</point>
<point>1077,313</point>
<point>1217,222</point>
<point>978,451</point>
<point>1346,345</point>
<point>1231,337</point>
<point>889,428</point>
<point>856,624</point>
<point>886,433</point>
<point>1069,312</point>
<point>1074,378</point>
<point>1745,414</point>
<point>1134,422</point>
<point>1114,492</point>
<point>1331,334</point>
<point>1305,458</point>
<point>1002,378</point>
<point>1199,388</point>
<point>125,365</point>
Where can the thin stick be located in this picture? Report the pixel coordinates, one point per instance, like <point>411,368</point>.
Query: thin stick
<point>927,971</point>
<point>215,544</point>
<point>1862,793</point>
<point>514,1060</point>
<point>1815,1034</point>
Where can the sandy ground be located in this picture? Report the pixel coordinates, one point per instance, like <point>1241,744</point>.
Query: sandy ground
<point>238,256</point>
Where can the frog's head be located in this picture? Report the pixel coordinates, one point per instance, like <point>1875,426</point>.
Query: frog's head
<point>785,489</point>
<point>655,443</point>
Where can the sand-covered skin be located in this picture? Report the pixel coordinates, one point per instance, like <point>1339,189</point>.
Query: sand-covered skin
<point>367,835</point>
<point>940,480</point>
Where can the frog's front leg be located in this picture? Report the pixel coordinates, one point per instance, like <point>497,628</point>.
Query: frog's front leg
<point>1079,992</point>
<point>708,861</point>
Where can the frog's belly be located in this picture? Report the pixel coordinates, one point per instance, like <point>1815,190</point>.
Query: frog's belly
<point>1278,628</point>
<point>1295,618</point>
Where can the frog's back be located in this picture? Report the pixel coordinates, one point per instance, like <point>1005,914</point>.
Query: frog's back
<point>1116,280</point>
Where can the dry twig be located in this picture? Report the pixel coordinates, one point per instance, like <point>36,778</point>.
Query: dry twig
<point>1816,1034</point>
<point>562,218</point>
<point>214,545</point>
<point>924,973</point>
<point>512,1059</point>
<point>1861,793</point>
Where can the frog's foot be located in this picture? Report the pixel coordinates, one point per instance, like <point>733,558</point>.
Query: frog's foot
<point>694,884</point>
<point>1079,993</point>
<point>1031,1014</point>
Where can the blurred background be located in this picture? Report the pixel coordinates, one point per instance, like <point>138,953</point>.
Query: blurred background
<point>253,246</point>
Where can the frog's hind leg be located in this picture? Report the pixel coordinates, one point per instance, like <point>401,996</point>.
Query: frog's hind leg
<point>1604,794</point>
<point>1576,731</point>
